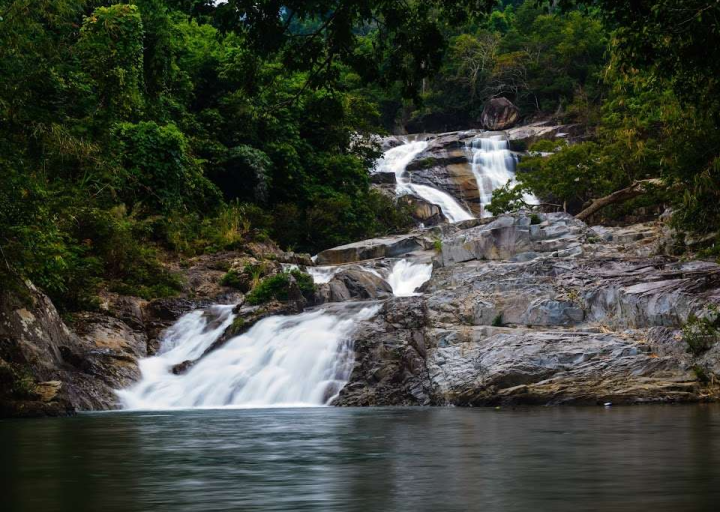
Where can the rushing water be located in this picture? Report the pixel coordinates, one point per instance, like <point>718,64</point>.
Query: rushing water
<point>407,276</point>
<point>396,159</point>
<point>651,458</point>
<point>493,165</point>
<point>300,360</point>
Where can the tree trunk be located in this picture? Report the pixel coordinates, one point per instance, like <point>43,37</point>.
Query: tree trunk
<point>636,189</point>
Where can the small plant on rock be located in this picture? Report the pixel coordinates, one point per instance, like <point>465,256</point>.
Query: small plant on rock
<point>233,279</point>
<point>498,321</point>
<point>702,332</point>
<point>277,287</point>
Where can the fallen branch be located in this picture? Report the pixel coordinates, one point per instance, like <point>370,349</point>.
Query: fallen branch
<point>636,189</point>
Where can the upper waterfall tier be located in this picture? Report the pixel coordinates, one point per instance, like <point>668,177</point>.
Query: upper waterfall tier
<point>396,160</point>
<point>493,165</point>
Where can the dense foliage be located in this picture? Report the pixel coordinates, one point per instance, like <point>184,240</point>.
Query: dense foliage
<point>133,131</point>
<point>659,119</point>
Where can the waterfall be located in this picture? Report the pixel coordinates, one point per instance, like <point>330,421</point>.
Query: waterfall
<point>396,159</point>
<point>322,275</point>
<point>282,361</point>
<point>493,165</point>
<point>406,277</point>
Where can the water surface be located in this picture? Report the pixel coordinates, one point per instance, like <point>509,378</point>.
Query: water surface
<point>656,458</point>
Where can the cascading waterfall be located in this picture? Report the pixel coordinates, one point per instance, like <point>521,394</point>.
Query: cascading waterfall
<point>282,361</point>
<point>396,159</point>
<point>493,165</point>
<point>322,275</point>
<point>406,277</point>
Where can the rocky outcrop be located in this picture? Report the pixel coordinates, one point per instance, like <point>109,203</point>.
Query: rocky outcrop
<point>384,247</point>
<point>499,114</point>
<point>445,165</point>
<point>522,137</point>
<point>425,213</point>
<point>54,371</point>
<point>546,313</point>
<point>354,283</point>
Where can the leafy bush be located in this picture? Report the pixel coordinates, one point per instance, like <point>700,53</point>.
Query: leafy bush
<point>277,287</point>
<point>233,279</point>
<point>507,199</point>
<point>498,321</point>
<point>535,219</point>
<point>701,333</point>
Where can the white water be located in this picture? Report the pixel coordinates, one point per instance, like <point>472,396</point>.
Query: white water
<point>282,361</point>
<point>493,165</point>
<point>322,275</point>
<point>396,159</point>
<point>406,277</point>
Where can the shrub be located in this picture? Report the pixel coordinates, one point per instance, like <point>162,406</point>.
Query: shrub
<point>507,199</point>
<point>233,279</point>
<point>277,287</point>
<point>701,333</point>
<point>535,219</point>
<point>498,321</point>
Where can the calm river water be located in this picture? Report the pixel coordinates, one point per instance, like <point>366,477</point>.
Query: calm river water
<point>654,458</point>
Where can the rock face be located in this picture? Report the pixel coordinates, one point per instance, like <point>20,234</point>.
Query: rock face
<point>423,212</point>
<point>355,283</point>
<point>444,165</point>
<point>53,371</point>
<point>544,313</point>
<point>499,114</point>
<point>385,247</point>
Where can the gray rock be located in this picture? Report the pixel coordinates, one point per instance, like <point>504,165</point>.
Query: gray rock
<point>385,247</point>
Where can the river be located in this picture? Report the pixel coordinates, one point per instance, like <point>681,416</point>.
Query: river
<point>658,458</point>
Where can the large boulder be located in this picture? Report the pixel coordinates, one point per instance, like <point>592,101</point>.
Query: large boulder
<point>385,247</point>
<point>499,114</point>
<point>422,211</point>
<point>355,283</point>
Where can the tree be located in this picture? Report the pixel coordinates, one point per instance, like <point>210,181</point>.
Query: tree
<point>111,51</point>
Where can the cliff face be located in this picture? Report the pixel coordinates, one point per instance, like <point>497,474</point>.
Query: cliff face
<point>544,313</point>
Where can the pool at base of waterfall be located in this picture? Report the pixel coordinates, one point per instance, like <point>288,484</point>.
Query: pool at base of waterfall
<point>658,458</point>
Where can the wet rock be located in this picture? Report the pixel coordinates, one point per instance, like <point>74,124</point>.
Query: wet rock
<point>357,283</point>
<point>383,178</point>
<point>424,212</point>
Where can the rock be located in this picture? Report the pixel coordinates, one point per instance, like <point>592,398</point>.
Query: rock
<point>385,247</point>
<point>383,178</point>
<point>575,322</point>
<point>424,212</point>
<point>292,258</point>
<point>522,137</point>
<point>357,283</point>
<point>55,371</point>
<point>445,165</point>
<point>499,114</point>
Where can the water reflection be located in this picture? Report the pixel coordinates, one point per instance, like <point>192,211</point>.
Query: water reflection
<point>641,458</point>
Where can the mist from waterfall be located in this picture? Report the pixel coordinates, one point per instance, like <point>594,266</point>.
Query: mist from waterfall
<point>282,361</point>
<point>396,160</point>
<point>493,165</point>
